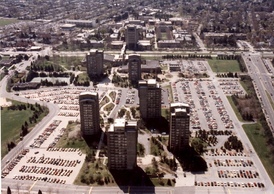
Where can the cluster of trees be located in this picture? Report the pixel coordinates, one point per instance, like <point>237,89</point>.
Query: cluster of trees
<point>186,57</point>
<point>39,66</point>
<point>17,107</point>
<point>229,41</point>
<point>245,105</point>
<point>228,57</point>
<point>140,149</point>
<point>241,63</point>
<point>121,16</point>
<point>209,137</point>
<point>10,145</point>
<point>170,162</point>
<point>32,74</point>
<point>154,170</point>
<point>133,112</point>
<point>156,147</point>
<point>119,81</point>
<point>122,112</point>
<point>97,176</point>
<point>49,83</point>
<point>163,16</point>
<point>198,145</point>
<point>229,74</point>
<point>77,82</point>
<point>233,143</point>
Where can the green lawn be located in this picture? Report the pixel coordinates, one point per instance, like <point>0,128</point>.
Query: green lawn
<point>240,118</point>
<point>6,21</point>
<point>83,77</point>
<point>224,65</point>
<point>256,137</point>
<point>162,182</point>
<point>11,122</point>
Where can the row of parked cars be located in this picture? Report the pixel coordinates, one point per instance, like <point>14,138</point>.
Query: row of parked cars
<point>35,178</point>
<point>238,174</point>
<point>13,163</point>
<point>230,184</point>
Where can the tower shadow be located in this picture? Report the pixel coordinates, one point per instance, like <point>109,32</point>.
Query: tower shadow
<point>160,124</point>
<point>190,160</point>
<point>135,178</point>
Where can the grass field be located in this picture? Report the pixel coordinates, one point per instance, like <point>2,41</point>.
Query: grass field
<point>11,122</point>
<point>224,65</point>
<point>240,118</point>
<point>6,21</point>
<point>256,137</point>
<point>83,77</point>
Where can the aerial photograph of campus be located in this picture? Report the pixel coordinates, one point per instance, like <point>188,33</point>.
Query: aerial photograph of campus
<point>137,96</point>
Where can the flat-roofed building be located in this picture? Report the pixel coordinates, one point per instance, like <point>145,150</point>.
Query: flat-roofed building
<point>179,126</point>
<point>82,23</point>
<point>134,68</point>
<point>89,113</point>
<point>95,63</point>
<point>132,36</point>
<point>122,145</point>
<point>150,98</point>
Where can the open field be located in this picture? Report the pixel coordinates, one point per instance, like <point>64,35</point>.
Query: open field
<point>224,65</point>
<point>258,140</point>
<point>7,21</point>
<point>64,62</point>
<point>11,122</point>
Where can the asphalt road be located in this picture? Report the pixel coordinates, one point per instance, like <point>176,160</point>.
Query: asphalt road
<point>53,111</point>
<point>263,83</point>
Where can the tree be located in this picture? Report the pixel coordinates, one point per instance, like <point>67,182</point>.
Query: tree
<point>39,192</point>
<point>8,190</point>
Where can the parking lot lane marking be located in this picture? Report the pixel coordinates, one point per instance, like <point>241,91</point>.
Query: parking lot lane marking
<point>90,190</point>
<point>32,185</point>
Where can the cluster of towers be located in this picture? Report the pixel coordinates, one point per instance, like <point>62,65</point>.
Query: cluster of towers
<point>122,134</point>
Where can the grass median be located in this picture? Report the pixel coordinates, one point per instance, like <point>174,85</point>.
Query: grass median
<point>258,140</point>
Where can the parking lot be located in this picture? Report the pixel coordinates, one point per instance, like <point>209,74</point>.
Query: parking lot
<point>226,168</point>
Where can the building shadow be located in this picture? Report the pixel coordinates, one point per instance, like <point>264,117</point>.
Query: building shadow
<point>191,161</point>
<point>93,140</point>
<point>161,124</point>
<point>135,178</point>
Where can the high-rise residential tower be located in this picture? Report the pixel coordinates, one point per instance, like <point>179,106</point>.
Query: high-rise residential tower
<point>150,99</point>
<point>134,68</point>
<point>95,63</point>
<point>132,36</point>
<point>179,126</point>
<point>122,145</point>
<point>89,113</point>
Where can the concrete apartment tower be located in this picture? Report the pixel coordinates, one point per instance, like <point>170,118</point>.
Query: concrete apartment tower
<point>132,36</point>
<point>134,68</point>
<point>95,63</point>
<point>150,99</point>
<point>89,113</point>
<point>179,126</point>
<point>122,145</point>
